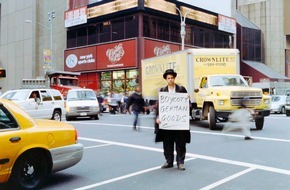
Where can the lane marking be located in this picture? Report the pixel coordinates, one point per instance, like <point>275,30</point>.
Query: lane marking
<point>122,177</point>
<point>218,183</point>
<point>210,158</point>
<point>192,131</point>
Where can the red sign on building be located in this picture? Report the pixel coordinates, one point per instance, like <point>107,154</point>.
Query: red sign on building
<point>154,48</point>
<point>117,55</point>
<point>102,57</point>
<point>81,59</point>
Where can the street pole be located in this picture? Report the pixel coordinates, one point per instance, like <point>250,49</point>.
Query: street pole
<point>51,15</point>
<point>182,27</point>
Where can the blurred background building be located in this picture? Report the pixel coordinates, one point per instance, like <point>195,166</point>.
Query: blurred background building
<point>37,36</point>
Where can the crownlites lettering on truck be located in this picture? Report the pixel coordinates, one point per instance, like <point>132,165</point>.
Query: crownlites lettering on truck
<point>159,69</point>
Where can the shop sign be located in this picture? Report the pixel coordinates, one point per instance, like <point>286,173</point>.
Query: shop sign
<point>157,48</point>
<point>75,17</point>
<point>227,24</point>
<point>117,55</point>
<point>80,59</point>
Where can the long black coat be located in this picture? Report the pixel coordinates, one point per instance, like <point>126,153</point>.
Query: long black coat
<point>137,102</point>
<point>183,136</point>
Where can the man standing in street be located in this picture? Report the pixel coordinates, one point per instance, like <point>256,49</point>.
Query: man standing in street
<point>171,137</point>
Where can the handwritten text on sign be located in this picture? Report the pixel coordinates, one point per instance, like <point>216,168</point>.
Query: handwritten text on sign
<point>173,111</point>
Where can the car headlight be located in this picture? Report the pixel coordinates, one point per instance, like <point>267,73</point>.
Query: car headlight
<point>267,101</point>
<point>221,102</point>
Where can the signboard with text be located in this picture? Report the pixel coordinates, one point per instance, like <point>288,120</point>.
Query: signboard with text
<point>173,111</point>
<point>81,59</point>
<point>75,17</point>
<point>117,55</point>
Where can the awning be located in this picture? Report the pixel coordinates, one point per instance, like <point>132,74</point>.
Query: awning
<point>264,69</point>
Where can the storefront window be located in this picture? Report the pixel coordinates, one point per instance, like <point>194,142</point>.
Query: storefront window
<point>105,75</point>
<point>118,74</point>
<point>106,86</point>
<point>132,79</point>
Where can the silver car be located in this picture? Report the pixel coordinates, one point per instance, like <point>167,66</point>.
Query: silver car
<point>278,103</point>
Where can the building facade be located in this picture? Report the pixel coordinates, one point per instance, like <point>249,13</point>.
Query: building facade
<point>270,16</point>
<point>107,48</point>
<point>113,38</point>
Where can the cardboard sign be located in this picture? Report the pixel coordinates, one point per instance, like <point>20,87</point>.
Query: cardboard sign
<point>173,111</point>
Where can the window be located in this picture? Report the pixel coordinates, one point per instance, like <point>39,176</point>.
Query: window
<point>45,96</point>
<point>7,121</point>
<point>56,95</point>
<point>118,29</point>
<point>175,32</point>
<point>251,44</point>
<point>149,24</point>
<point>105,32</point>
<point>129,30</point>
<point>92,34</point>
<point>71,38</point>
<point>82,36</point>
<point>163,30</point>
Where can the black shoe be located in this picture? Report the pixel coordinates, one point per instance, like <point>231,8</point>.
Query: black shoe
<point>180,167</point>
<point>134,129</point>
<point>166,165</point>
<point>248,138</point>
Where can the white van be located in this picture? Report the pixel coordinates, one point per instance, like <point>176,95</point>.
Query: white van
<point>81,103</point>
<point>39,103</point>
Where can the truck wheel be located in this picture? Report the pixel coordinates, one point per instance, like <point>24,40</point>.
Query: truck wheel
<point>259,123</point>
<point>56,115</point>
<point>29,171</point>
<point>287,112</point>
<point>211,118</point>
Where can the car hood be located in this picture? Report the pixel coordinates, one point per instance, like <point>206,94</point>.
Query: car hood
<point>82,103</point>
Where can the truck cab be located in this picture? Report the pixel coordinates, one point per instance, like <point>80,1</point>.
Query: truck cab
<point>217,95</point>
<point>63,81</point>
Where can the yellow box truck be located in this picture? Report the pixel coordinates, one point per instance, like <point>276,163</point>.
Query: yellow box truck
<point>212,79</point>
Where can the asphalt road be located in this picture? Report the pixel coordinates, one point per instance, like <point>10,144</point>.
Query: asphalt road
<point>118,158</point>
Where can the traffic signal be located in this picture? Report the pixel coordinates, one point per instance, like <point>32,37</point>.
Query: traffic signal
<point>2,73</point>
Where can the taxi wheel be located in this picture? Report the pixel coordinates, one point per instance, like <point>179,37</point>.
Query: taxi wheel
<point>29,171</point>
<point>56,115</point>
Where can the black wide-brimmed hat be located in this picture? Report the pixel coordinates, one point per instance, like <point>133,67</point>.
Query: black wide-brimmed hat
<point>169,72</point>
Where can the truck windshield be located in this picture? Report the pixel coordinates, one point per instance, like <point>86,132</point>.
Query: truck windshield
<point>227,81</point>
<point>68,82</point>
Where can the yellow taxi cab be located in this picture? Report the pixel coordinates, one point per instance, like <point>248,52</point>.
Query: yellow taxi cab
<point>33,148</point>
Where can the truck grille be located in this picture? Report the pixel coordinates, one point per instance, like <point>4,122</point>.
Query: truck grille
<point>254,98</point>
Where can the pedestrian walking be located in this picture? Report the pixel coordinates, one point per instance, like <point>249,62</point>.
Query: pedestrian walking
<point>137,102</point>
<point>179,138</point>
<point>240,120</point>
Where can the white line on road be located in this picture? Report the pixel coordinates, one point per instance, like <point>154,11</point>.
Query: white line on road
<point>121,177</point>
<point>192,131</point>
<point>250,167</point>
<point>218,183</point>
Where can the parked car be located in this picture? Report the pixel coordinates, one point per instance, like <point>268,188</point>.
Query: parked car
<point>39,103</point>
<point>287,107</point>
<point>33,148</point>
<point>278,103</point>
<point>81,103</point>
